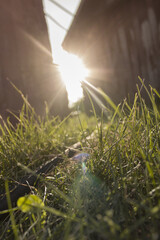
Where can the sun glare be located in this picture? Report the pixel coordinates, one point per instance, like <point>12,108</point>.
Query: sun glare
<point>73,72</point>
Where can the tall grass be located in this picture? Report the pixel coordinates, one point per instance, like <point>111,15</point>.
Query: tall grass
<point>118,194</point>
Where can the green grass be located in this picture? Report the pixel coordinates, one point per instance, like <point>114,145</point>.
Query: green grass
<point>118,197</point>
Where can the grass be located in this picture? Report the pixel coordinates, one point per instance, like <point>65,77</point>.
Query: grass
<point>117,197</point>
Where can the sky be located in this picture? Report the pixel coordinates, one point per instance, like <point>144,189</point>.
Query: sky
<point>56,33</point>
<point>72,69</point>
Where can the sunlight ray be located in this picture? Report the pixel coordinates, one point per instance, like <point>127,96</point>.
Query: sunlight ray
<point>97,99</point>
<point>91,85</point>
<point>36,42</point>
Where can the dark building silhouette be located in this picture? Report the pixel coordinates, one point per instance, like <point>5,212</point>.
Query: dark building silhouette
<point>118,40</point>
<point>26,61</point>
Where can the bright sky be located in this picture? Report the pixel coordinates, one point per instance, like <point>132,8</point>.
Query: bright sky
<point>72,69</point>
<point>56,33</point>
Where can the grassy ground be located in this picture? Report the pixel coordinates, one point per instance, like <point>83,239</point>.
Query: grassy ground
<point>114,195</point>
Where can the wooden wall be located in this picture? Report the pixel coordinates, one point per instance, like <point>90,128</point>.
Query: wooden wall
<point>119,41</point>
<point>25,59</point>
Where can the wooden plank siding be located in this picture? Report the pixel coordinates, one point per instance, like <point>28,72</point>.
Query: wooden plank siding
<point>118,41</point>
<point>26,60</point>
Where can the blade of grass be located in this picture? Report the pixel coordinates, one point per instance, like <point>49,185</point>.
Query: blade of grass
<point>14,227</point>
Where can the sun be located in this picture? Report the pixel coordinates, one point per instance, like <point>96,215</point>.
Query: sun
<point>73,72</point>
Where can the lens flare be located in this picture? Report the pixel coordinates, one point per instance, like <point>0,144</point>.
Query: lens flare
<point>82,158</point>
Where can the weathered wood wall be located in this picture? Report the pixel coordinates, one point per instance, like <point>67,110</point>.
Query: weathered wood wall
<point>119,41</point>
<point>25,59</point>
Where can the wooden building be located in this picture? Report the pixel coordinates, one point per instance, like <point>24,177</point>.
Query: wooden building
<point>26,61</point>
<point>118,40</point>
